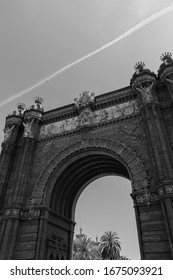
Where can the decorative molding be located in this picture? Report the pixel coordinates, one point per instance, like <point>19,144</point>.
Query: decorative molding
<point>115,94</point>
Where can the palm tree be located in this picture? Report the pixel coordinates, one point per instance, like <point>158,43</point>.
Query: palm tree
<point>76,249</point>
<point>110,246</point>
<point>82,249</point>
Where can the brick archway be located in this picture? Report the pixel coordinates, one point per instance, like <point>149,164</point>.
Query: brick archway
<point>126,155</point>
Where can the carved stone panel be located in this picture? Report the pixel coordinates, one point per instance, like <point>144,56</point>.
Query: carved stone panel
<point>88,117</point>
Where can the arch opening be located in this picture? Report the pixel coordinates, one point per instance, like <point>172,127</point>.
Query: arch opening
<point>106,205</point>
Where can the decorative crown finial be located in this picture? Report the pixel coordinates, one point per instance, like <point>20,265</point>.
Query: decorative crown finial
<point>139,67</point>
<point>21,107</point>
<point>38,102</point>
<point>166,57</point>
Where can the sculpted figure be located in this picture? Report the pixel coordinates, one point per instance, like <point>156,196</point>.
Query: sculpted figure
<point>7,132</point>
<point>86,117</point>
<point>28,129</point>
<point>146,92</point>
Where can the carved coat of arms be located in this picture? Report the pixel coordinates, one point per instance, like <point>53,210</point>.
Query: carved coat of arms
<point>84,99</point>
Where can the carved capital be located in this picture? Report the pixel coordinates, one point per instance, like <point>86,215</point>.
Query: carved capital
<point>145,197</point>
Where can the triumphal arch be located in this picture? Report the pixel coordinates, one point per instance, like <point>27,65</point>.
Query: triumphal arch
<point>48,158</point>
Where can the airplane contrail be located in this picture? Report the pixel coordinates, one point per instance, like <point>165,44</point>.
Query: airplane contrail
<point>122,36</point>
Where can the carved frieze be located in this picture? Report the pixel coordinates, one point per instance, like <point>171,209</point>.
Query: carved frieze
<point>31,213</point>
<point>20,213</point>
<point>146,197</point>
<point>88,117</point>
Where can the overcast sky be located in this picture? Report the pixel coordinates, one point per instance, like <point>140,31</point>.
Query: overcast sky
<point>39,37</point>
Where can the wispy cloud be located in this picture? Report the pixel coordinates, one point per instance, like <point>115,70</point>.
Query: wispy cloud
<point>143,9</point>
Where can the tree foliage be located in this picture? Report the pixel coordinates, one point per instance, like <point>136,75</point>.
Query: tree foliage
<point>82,249</point>
<point>110,246</point>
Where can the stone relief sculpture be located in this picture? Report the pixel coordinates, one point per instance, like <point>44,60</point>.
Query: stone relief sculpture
<point>7,133</point>
<point>146,92</point>
<point>28,129</point>
<point>88,117</point>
